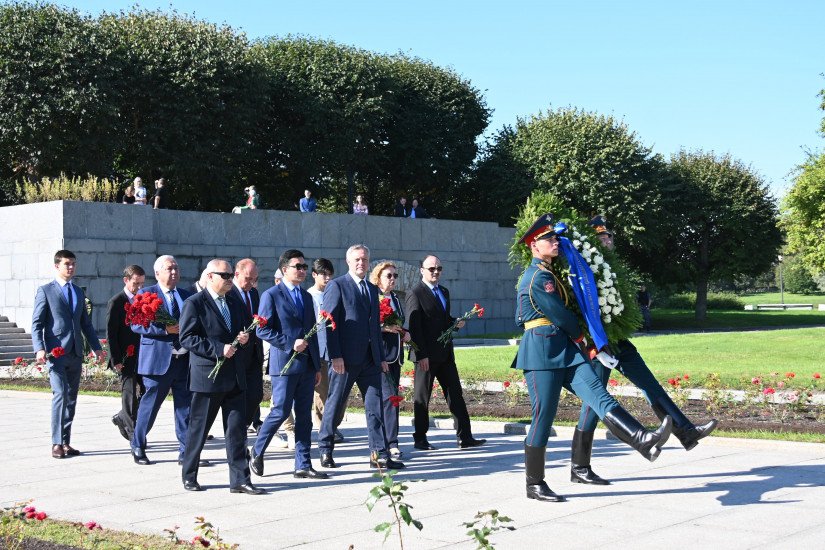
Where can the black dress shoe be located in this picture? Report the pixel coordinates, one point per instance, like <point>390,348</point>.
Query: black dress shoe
<point>70,451</point>
<point>202,462</point>
<point>423,445</point>
<point>256,463</point>
<point>386,464</point>
<point>540,491</point>
<point>338,437</point>
<point>311,473</point>
<point>57,451</point>
<point>247,488</point>
<point>139,455</point>
<point>327,462</point>
<point>120,426</point>
<point>192,486</point>
<point>472,442</point>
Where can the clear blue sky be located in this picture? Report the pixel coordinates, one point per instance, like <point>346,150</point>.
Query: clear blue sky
<point>738,77</point>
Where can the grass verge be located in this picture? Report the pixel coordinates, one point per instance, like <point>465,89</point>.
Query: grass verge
<point>76,535</point>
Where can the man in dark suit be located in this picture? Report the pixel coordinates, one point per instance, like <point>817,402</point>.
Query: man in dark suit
<point>123,350</point>
<point>244,289</point>
<point>209,322</point>
<point>290,316</point>
<point>401,208</point>
<point>428,310</point>
<point>60,319</point>
<point>162,362</point>
<point>355,350</point>
<point>418,211</point>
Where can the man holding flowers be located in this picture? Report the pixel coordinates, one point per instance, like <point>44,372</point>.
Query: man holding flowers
<point>294,363</point>
<point>59,322</point>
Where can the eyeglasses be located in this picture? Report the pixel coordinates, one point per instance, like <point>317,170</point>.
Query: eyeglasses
<point>437,269</point>
<point>299,267</point>
<point>392,275</point>
<point>224,276</point>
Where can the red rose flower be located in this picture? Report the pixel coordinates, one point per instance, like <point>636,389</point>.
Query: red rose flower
<point>28,509</point>
<point>769,391</point>
<point>506,384</point>
<point>92,525</point>
<point>817,376</point>
<point>30,514</point>
<point>685,377</point>
<point>790,375</point>
<point>40,516</point>
<point>130,350</point>
<point>103,340</point>
<point>756,380</point>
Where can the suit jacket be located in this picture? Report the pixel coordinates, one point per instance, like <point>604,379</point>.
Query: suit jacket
<point>257,345</point>
<point>426,320</point>
<point>393,350</point>
<point>54,325</point>
<point>284,325</point>
<point>203,332</point>
<point>155,345</point>
<point>402,210</point>
<point>120,334</point>
<point>420,213</point>
<point>308,205</point>
<point>357,338</point>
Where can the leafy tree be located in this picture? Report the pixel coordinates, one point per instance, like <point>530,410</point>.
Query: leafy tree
<point>722,223</point>
<point>796,277</point>
<point>804,214</point>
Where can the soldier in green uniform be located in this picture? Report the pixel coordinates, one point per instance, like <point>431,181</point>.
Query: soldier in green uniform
<point>550,356</point>
<point>632,366</point>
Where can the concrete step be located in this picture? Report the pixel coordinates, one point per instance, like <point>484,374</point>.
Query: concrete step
<point>3,319</point>
<point>12,330</point>
<point>16,349</point>
<point>7,324</point>
<point>15,342</point>
<point>11,336</point>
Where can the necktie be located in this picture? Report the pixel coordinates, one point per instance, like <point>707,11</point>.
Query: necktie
<point>173,305</point>
<point>70,298</point>
<point>364,292</point>
<point>248,302</point>
<point>225,313</point>
<point>299,303</point>
<point>439,298</point>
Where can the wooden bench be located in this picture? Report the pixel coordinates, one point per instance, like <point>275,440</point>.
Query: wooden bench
<point>769,307</point>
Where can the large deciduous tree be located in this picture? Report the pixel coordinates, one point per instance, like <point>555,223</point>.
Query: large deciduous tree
<point>722,223</point>
<point>804,214</point>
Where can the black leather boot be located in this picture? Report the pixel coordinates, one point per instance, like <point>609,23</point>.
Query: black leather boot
<point>684,430</point>
<point>534,467</point>
<point>580,470</point>
<point>631,431</point>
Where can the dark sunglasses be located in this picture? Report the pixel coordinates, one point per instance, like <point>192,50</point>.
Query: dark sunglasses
<point>392,275</point>
<point>437,269</point>
<point>299,267</point>
<point>224,276</point>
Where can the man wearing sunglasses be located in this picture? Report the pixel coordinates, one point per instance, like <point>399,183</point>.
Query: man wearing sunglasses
<point>428,307</point>
<point>290,316</point>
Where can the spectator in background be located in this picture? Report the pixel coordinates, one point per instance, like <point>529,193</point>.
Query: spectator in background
<point>253,200</point>
<point>418,211</point>
<point>359,206</point>
<point>401,208</point>
<point>140,191</point>
<point>643,297</point>
<point>129,195</point>
<point>307,204</point>
<point>161,198</point>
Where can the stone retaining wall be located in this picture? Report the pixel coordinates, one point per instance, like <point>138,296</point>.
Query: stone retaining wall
<point>107,237</point>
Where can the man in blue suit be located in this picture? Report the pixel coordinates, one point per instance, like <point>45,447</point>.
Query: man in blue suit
<point>162,362</point>
<point>290,316</point>
<point>210,321</point>
<point>355,349</point>
<point>59,320</point>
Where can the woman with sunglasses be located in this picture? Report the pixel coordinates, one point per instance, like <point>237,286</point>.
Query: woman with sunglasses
<point>384,276</point>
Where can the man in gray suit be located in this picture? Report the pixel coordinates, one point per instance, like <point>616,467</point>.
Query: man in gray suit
<point>60,319</point>
<point>356,352</point>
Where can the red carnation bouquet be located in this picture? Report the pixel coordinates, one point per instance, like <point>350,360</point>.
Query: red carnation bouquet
<point>447,335</point>
<point>389,318</point>
<point>324,320</point>
<point>257,321</point>
<point>146,309</point>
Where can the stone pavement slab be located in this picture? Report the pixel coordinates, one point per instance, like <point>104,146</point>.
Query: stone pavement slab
<point>727,493</point>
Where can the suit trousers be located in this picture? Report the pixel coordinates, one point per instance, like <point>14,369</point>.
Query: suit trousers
<point>202,414</point>
<point>389,387</point>
<point>157,388</point>
<point>254,395</point>
<point>447,375</point>
<point>368,378</point>
<point>287,390</point>
<point>544,388</point>
<point>635,369</point>
<point>131,388</point>
<point>65,381</point>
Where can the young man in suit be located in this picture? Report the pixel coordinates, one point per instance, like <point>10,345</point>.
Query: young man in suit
<point>428,311</point>
<point>357,357</point>
<point>162,362</point>
<point>290,316</point>
<point>121,338</point>
<point>60,319</point>
<point>209,322</point>
<point>245,291</point>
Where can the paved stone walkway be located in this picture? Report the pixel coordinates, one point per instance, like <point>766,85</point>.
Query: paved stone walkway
<point>726,493</point>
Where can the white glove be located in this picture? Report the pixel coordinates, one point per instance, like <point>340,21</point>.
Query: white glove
<point>607,360</point>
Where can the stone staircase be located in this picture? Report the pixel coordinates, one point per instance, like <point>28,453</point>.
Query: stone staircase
<point>14,342</point>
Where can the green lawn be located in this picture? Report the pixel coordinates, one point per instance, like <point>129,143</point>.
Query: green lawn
<point>678,319</point>
<point>735,356</point>
<point>775,298</point>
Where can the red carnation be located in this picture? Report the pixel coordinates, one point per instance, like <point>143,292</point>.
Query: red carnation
<point>30,514</point>
<point>261,320</point>
<point>58,352</point>
<point>395,400</point>
<point>40,516</point>
<point>768,391</point>
<point>18,361</point>
<point>130,350</point>
<point>92,525</point>
<point>479,310</point>
<point>817,375</point>
<point>613,382</point>
<point>790,375</point>
<point>686,377</point>
<point>506,384</point>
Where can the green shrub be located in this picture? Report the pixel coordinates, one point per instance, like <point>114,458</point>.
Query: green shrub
<point>687,301</point>
<point>796,276</point>
<point>67,189</point>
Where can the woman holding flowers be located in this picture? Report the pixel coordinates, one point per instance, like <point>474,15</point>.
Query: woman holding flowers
<point>385,276</point>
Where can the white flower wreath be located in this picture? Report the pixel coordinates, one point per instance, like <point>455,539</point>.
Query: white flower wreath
<point>610,301</point>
